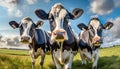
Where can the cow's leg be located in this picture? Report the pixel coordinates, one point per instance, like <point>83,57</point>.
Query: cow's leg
<point>57,63</point>
<point>83,58</point>
<point>96,57</point>
<point>68,65</point>
<point>42,60</point>
<point>32,57</point>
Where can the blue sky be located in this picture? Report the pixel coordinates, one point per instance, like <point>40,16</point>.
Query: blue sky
<point>105,10</point>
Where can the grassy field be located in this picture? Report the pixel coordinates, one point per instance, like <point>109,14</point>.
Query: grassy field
<point>20,59</point>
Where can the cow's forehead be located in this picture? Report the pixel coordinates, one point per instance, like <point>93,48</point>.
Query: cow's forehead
<point>95,23</point>
<point>58,9</point>
<point>26,20</point>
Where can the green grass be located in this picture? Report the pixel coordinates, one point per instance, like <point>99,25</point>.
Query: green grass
<point>14,52</point>
<point>20,59</point>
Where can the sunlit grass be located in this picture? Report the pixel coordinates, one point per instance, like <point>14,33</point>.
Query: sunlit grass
<point>20,59</point>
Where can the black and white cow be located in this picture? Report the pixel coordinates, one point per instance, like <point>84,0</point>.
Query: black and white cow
<point>90,40</point>
<point>36,38</point>
<point>63,40</point>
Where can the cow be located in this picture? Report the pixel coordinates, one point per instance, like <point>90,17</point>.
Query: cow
<point>36,38</point>
<point>63,39</point>
<point>90,40</point>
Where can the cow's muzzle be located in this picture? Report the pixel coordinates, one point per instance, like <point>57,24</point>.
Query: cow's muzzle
<point>97,41</point>
<point>25,39</point>
<point>59,35</point>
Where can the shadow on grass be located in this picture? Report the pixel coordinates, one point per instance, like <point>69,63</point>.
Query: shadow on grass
<point>75,65</point>
<point>52,66</point>
<point>112,62</point>
<point>13,63</point>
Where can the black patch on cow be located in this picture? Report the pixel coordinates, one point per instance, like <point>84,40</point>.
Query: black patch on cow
<point>70,34</point>
<point>84,45</point>
<point>21,30</point>
<point>41,40</point>
<point>73,46</point>
<point>39,36</point>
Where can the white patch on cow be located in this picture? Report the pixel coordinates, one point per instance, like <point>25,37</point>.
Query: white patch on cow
<point>58,65</point>
<point>26,24</point>
<point>65,55</point>
<point>69,64</point>
<point>96,58</point>
<point>95,24</point>
<point>34,56</point>
<point>31,52</point>
<point>87,55</point>
<point>59,14</point>
<point>81,33</point>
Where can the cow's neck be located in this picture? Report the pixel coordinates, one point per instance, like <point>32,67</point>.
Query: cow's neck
<point>71,36</point>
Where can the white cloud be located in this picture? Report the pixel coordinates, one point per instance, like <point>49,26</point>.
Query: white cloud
<point>113,43</point>
<point>102,7</point>
<point>31,1</point>
<point>18,13</point>
<point>94,16</point>
<point>112,36</point>
<point>12,7</point>
<point>10,41</point>
<point>115,30</point>
<point>47,1</point>
<point>117,3</point>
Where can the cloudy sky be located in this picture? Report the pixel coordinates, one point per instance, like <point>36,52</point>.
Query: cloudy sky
<point>105,10</point>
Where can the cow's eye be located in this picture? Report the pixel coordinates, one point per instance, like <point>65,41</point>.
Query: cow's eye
<point>66,20</point>
<point>51,18</point>
<point>21,30</point>
<point>24,25</point>
<point>92,32</point>
<point>99,28</point>
<point>90,27</point>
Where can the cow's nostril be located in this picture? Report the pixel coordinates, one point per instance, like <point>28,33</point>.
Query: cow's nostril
<point>60,33</point>
<point>27,38</point>
<point>63,32</point>
<point>55,33</point>
<point>22,38</point>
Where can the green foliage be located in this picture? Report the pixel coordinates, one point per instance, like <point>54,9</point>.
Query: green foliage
<point>20,59</point>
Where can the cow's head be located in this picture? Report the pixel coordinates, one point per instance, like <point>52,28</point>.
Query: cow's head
<point>59,17</point>
<point>94,29</point>
<point>26,27</point>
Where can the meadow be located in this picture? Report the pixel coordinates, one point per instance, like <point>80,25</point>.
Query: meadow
<point>20,59</point>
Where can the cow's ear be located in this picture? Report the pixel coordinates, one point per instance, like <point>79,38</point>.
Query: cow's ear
<point>14,24</point>
<point>41,14</point>
<point>82,26</point>
<point>39,24</point>
<point>108,25</point>
<point>76,13</point>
